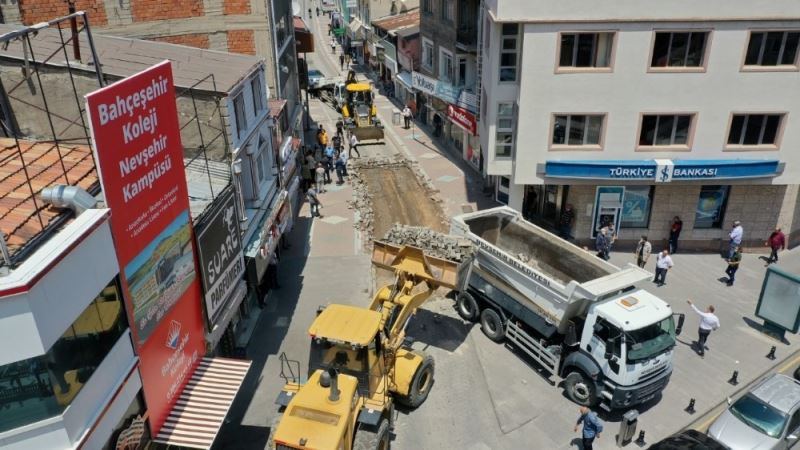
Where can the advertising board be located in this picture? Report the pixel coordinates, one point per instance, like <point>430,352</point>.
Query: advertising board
<point>137,144</point>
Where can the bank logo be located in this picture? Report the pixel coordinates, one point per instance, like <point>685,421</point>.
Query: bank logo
<point>664,170</point>
<point>174,334</point>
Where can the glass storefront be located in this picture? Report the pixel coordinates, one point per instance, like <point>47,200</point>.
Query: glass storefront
<point>636,206</point>
<point>37,388</point>
<point>711,206</point>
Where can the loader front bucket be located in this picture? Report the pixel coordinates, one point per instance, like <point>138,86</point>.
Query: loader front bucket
<point>438,272</point>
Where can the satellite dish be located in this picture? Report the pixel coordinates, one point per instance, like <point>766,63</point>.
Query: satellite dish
<point>296,9</point>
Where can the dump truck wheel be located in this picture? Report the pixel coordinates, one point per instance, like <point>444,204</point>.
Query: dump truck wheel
<point>467,307</point>
<point>580,389</point>
<point>368,438</point>
<point>420,385</point>
<point>492,325</point>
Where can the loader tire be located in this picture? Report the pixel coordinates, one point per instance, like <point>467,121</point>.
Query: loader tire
<point>467,307</point>
<point>369,438</point>
<point>492,325</point>
<point>580,389</point>
<point>420,385</point>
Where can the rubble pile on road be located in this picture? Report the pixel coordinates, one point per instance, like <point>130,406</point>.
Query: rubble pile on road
<point>432,242</point>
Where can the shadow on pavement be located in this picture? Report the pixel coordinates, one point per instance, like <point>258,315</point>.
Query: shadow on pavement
<point>761,329</point>
<point>431,329</point>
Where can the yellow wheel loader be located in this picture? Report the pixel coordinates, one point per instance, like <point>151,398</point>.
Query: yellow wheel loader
<point>358,109</point>
<point>360,361</point>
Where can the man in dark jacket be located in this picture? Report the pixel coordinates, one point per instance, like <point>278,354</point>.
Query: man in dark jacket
<point>776,242</point>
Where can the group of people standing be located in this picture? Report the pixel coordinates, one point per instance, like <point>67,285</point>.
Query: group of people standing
<point>328,155</point>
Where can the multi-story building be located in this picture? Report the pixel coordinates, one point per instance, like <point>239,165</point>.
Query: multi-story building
<point>395,37</point>
<point>447,82</point>
<point>638,112</point>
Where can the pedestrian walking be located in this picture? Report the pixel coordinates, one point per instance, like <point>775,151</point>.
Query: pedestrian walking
<point>330,29</point>
<point>663,264</point>
<point>327,161</point>
<point>643,250</point>
<point>736,235</point>
<point>337,143</point>
<point>708,322</point>
<point>309,13</point>
<point>317,11</point>
<point>674,233</point>
<point>612,237</point>
<point>333,45</point>
<point>272,271</point>
<point>340,128</point>
<point>308,170</point>
<point>565,222</point>
<point>601,243</point>
<point>320,178</point>
<point>733,265</point>
<point>340,168</point>
<point>313,202</point>
<point>776,242</point>
<point>353,146</point>
<point>592,427</point>
<point>407,117</point>
<point>344,157</point>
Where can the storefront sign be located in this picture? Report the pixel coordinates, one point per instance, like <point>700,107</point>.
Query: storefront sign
<point>664,171</point>
<point>423,83</point>
<point>463,118</point>
<point>137,145</point>
<point>447,92</point>
<point>221,258</point>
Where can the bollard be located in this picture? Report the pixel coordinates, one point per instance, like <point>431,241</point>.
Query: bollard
<point>640,440</point>
<point>734,378</point>
<point>771,354</point>
<point>690,409</point>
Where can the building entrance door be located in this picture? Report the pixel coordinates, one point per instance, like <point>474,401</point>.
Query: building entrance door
<point>542,204</point>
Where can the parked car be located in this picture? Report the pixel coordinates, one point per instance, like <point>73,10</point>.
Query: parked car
<point>765,418</point>
<point>314,78</point>
<point>688,440</point>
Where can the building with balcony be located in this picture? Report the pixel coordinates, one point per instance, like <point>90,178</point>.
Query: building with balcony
<point>637,112</point>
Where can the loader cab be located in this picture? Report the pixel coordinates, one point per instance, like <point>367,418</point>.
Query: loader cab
<point>349,340</point>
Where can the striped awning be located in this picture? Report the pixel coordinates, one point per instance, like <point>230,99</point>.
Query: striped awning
<point>198,414</point>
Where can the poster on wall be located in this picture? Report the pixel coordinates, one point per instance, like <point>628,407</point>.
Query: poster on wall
<point>137,145</point>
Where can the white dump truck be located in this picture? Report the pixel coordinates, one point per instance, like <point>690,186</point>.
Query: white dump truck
<point>577,316</point>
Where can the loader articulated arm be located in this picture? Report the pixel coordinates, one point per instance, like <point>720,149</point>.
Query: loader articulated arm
<point>398,302</point>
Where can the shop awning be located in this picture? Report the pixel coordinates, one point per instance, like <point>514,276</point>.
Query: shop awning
<point>200,410</point>
<point>405,78</point>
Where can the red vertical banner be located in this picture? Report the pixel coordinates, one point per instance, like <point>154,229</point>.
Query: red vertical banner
<point>137,145</point>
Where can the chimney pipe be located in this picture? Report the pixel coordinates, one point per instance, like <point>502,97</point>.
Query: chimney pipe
<point>73,24</point>
<point>334,397</point>
<point>72,197</point>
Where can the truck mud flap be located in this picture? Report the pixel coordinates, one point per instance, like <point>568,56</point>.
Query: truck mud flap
<point>532,347</point>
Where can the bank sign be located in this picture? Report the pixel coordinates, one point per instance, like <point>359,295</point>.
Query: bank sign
<point>137,144</point>
<point>664,170</point>
<point>221,258</point>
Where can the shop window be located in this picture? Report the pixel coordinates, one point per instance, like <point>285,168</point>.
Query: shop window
<point>636,206</point>
<point>509,52</point>
<point>754,129</point>
<point>772,48</point>
<point>504,133</point>
<point>711,207</point>
<point>679,50</point>
<point>585,50</point>
<point>43,386</point>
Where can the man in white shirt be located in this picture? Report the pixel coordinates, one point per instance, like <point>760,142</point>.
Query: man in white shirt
<point>663,264</point>
<point>353,146</point>
<point>407,117</point>
<point>735,237</point>
<point>708,323</point>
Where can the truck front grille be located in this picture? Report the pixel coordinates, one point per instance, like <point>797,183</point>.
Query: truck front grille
<point>652,388</point>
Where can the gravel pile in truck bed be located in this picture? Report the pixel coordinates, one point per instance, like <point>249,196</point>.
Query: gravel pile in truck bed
<point>432,242</point>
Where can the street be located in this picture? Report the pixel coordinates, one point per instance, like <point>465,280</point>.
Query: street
<point>484,396</point>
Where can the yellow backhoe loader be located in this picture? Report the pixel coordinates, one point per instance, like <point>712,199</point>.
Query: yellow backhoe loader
<point>361,362</point>
<point>359,111</point>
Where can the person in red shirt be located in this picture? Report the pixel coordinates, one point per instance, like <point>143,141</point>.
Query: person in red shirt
<point>777,242</point>
<point>674,233</point>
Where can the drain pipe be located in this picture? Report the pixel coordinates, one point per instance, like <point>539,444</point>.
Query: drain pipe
<point>72,197</point>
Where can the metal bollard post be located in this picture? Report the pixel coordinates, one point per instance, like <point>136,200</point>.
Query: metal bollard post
<point>771,354</point>
<point>734,378</point>
<point>690,409</point>
<point>640,440</point>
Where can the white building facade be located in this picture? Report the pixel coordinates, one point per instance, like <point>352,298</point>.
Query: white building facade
<point>638,111</point>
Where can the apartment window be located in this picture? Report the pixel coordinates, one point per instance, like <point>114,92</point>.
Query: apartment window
<point>44,386</point>
<point>662,130</point>
<point>241,115</point>
<point>772,48</point>
<point>504,132</point>
<point>427,53</point>
<point>427,6</point>
<point>448,10</point>
<point>445,65</point>
<point>586,50</point>
<point>636,206</point>
<point>258,96</point>
<point>461,79</point>
<point>754,129</point>
<point>503,189</point>
<point>509,51</point>
<point>683,49</point>
<point>711,206</point>
<point>577,130</point>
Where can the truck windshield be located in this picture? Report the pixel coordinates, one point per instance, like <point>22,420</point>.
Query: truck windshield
<point>651,340</point>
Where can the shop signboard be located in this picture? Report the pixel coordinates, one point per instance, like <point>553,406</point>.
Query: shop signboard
<point>663,170</point>
<point>137,145</point>
<point>447,92</point>
<point>424,83</point>
<point>221,257</point>
<point>463,118</point>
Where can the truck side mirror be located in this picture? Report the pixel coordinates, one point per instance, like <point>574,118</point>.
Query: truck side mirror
<point>681,319</point>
